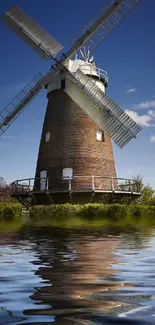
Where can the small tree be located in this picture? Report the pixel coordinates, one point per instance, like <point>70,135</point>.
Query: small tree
<point>4,191</point>
<point>147,192</point>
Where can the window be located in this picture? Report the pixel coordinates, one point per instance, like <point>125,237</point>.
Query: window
<point>63,83</point>
<point>47,136</point>
<point>43,180</point>
<point>99,136</point>
<point>67,173</point>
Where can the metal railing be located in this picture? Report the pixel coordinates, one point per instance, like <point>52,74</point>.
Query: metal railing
<point>76,183</point>
<point>88,68</point>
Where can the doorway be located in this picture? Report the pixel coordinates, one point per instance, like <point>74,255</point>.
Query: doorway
<point>43,180</point>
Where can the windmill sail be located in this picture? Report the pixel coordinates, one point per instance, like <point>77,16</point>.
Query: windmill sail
<point>17,105</point>
<point>31,33</point>
<point>103,111</point>
<point>100,26</point>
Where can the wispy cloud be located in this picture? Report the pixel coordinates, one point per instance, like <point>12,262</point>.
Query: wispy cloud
<point>151,113</point>
<point>131,90</point>
<point>147,104</point>
<point>8,137</point>
<point>13,137</point>
<point>142,120</point>
<point>152,138</point>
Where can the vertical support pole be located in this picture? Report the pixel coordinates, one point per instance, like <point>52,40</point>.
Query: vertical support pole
<point>70,184</point>
<point>91,72</point>
<point>93,183</point>
<point>138,187</point>
<point>29,184</point>
<point>112,184</point>
<point>46,183</point>
<point>129,186</point>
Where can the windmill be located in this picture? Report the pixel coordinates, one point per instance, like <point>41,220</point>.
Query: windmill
<point>80,119</point>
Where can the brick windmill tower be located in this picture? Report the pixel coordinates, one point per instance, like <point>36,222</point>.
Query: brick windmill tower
<point>75,153</point>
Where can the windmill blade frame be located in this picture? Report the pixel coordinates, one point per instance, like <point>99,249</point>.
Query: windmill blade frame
<point>19,103</point>
<point>101,25</point>
<point>31,33</point>
<point>103,111</point>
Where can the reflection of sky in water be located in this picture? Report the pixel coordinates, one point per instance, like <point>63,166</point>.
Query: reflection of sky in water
<point>137,264</point>
<point>48,276</point>
<point>18,281</point>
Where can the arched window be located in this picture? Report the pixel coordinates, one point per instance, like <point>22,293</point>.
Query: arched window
<point>67,173</point>
<point>43,180</point>
<point>47,136</point>
<point>99,136</point>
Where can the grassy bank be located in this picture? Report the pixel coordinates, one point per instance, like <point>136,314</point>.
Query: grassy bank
<point>70,216</point>
<point>112,211</point>
<point>87,214</point>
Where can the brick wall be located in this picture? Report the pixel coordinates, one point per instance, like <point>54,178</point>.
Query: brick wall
<point>73,142</point>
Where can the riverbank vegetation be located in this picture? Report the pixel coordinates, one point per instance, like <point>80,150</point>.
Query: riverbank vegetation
<point>9,211</point>
<point>112,212</point>
<point>74,216</point>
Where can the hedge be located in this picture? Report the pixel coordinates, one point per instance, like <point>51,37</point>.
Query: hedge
<point>88,212</point>
<point>114,212</point>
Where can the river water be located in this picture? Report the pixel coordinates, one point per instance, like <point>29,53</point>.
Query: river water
<point>104,275</point>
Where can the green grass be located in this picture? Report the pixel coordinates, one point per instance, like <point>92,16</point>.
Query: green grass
<point>91,211</point>
<point>87,215</point>
<point>67,215</point>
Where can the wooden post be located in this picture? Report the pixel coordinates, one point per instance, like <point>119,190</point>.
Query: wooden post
<point>47,183</point>
<point>93,184</point>
<point>112,184</point>
<point>129,186</point>
<point>70,184</point>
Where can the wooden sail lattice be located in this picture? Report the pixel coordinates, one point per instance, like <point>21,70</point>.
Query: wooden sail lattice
<point>31,33</point>
<point>103,111</point>
<point>80,88</point>
<point>18,104</point>
<point>103,23</point>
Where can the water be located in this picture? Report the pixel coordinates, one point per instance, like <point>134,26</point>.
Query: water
<point>79,276</point>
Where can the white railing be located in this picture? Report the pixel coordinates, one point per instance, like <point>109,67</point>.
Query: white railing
<point>91,70</point>
<point>77,183</point>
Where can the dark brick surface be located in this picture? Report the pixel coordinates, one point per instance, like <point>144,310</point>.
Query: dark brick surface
<point>73,141</point>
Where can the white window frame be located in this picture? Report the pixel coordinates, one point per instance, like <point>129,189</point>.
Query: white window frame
<point>43,180</point>
<point>47,136</point>
<point>67,173</point>
<point>99,135</point>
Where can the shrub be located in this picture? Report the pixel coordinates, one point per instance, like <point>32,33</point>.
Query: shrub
<point>89,211</point>
<point>152,201</point>
<point>137,210</point>
<point>8,211</point>
<point>116,211</point>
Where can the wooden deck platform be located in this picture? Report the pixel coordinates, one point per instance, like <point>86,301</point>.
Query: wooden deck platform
<point>75,190</point>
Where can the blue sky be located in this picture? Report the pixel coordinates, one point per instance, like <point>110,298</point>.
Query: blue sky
<point>128,55</point>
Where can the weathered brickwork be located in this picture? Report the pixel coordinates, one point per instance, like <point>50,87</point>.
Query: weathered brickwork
<point>73,142</point>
